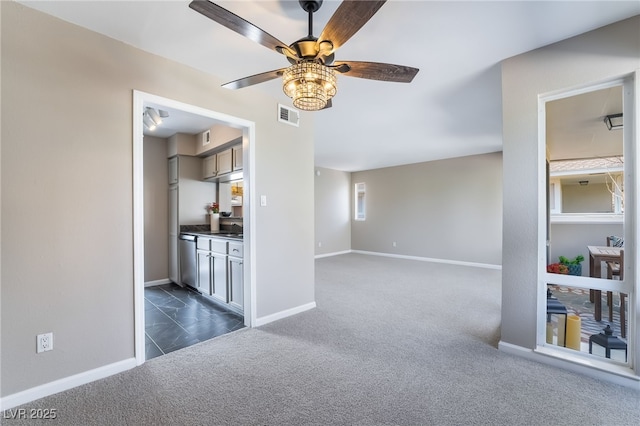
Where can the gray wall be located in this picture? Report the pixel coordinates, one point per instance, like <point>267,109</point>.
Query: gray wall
<point>332,211</point>
<point>602,54</point>
<point>156,218</point>
<point>591,198</point>
<point>447,209</point>
<point>67,200</point>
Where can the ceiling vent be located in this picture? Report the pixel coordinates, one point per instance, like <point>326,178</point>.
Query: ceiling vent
<point>288,115</point>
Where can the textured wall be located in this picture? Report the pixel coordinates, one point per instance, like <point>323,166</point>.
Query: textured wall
<point>332,211</point>
<point>590,58</point>
<point>447,209</point>
<point>156,218</point>
<point>67,199</point>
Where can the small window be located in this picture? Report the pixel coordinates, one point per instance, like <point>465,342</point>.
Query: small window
<point>360,201</point>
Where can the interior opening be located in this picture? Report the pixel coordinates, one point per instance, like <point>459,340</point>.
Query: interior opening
<point>586,295</point>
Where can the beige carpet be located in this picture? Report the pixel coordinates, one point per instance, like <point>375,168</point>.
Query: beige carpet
<point>392,342</point>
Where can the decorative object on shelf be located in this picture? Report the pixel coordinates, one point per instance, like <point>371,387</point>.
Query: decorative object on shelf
<point>213,208</point>
<point>567,266</point>
<point>225,214</point>
<point>608,341</point>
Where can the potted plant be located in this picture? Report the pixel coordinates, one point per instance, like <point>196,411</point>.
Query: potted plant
<point>573,265</point>
<point>567,266</point>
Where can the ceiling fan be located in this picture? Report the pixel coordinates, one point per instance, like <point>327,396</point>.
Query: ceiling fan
<point>311,79</point>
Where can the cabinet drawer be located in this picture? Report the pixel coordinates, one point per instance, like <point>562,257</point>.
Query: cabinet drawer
<point>219,246</point>
<point>235,249</point>
<point>203,243</point>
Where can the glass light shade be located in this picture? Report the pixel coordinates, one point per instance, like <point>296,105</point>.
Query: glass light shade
<point>310,85</point>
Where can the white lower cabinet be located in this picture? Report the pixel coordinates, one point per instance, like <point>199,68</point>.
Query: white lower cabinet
<point>204,272</point>
<point>236,283</point>
<point>219,277</point>
<point>220,271</point>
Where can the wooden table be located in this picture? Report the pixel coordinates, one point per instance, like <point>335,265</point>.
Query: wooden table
<point>597,255</point>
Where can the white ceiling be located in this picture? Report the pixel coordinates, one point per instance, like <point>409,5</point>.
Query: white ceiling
<point>453,106</point>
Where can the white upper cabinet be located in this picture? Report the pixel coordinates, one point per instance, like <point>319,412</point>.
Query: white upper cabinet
<point>237,157</point>
<point>225,163</point>
<point>210,167</point>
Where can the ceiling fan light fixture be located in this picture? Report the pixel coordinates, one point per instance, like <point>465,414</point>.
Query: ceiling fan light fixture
<point>309,84</point>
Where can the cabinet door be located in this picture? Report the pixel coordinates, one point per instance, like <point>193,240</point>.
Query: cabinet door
<point>237,157</point>
<point>210,167</point>
<point>236,283</point>
<point>219,277</point>
<point>225,161</point>
<point>173,170</point>
<point>203,281</point>
<point>174,274</point>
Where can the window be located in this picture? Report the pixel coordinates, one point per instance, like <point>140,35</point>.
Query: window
<point>360,201</point>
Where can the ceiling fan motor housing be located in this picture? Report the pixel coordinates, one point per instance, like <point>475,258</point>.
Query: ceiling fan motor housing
<point>310,5</point>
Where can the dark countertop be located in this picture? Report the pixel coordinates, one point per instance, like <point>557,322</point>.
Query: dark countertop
<point>217,234</point>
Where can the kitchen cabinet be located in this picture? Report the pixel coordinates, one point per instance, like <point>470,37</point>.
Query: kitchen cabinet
<point>237,158</point>
<point>210,167</point>
<point>174,271</point>
<point>187,198</point>
<point>173,170</point>
<point>225,162</point>
<point>220,274</point>
<point>235,276</point>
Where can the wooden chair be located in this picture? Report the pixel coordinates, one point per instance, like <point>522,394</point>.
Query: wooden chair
<point>615,269</point>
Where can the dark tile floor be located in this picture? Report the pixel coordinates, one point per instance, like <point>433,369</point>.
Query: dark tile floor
<point>177,317</point>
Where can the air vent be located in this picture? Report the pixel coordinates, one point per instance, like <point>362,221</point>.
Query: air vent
<point>288,115</point>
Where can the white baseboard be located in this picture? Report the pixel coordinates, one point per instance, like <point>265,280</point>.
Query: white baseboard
<point>284,314</point>
<point>599,370</point>
<point>429,259</point>
<point>157,282</point>
<point>336,253</point>
<point>66,383</point>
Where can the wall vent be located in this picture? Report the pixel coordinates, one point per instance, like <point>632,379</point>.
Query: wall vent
<point>288,115</point>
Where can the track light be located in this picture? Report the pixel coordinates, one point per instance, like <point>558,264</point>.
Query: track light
<point>148,122</point>
<point>153,115</point>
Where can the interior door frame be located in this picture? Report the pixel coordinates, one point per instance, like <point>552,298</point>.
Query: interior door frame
<point>248,153</point>
<point>630,85</point>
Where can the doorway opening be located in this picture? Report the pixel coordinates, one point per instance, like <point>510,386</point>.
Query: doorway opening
<point>586,246</point>
<point>193,120</point>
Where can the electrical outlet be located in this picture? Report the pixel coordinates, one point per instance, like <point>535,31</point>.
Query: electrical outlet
<point>263,200</point>
<point>44,342</point>
<point>393,244</point>
<point>320,244</point>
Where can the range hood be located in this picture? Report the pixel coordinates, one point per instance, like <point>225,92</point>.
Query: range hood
<point>227,177</point>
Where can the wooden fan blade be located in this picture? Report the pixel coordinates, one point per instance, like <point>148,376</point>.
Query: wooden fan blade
<point>348,19</point>
<point>376,71</point>
<point>254,79</point>
<point>240,25</point>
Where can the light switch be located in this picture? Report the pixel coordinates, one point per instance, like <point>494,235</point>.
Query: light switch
<point>263,200</point>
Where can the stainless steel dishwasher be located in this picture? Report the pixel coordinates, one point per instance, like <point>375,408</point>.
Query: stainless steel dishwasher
<point>188,259</point>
